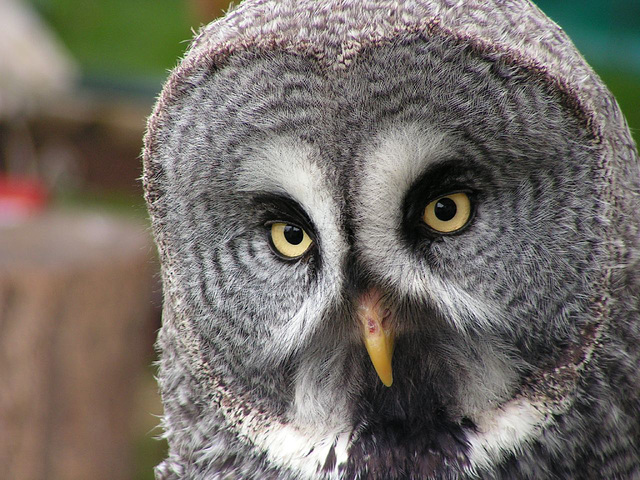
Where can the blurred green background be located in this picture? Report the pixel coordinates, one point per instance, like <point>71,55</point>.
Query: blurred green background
<point>123,44</point>
<point>608,35</point>
<point>125,48</point>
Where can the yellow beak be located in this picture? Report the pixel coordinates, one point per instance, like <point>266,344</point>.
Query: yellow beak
<point>375,322</point>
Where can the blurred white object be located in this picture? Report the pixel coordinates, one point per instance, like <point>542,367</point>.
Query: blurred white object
<point>34,65</point>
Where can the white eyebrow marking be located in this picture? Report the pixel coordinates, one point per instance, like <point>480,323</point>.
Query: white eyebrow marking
<point>396,159</point>
<point>287,166</point>
<point>400,155</point>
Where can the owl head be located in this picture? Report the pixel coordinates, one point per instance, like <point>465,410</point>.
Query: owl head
<point>398,240</point>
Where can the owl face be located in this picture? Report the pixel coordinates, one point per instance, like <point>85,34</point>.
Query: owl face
<point>379,258</point>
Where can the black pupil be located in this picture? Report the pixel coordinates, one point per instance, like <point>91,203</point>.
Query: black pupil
<point>445,209</point>
<point>293,234</point>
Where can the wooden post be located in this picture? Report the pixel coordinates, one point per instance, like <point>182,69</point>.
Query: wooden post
<point>74,296</point>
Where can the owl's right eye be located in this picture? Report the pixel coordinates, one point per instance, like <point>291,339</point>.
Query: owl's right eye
<point>288,240</point>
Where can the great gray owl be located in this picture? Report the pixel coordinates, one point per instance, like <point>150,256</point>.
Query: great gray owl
<point>399,239</point>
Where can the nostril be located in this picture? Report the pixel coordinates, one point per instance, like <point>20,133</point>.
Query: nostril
<point>372,326</point>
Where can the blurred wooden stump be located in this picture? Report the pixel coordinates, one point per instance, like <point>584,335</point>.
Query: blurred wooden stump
<point>74,298</point>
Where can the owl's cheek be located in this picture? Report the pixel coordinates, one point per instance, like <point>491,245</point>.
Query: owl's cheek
<point>295,321</point>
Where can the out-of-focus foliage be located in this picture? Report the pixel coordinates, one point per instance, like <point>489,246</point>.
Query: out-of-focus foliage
<point>122,38</point>
<point>626,88</point>
<point>607,32</point>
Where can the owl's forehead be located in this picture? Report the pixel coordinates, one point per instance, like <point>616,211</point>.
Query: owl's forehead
<point>424,101</point>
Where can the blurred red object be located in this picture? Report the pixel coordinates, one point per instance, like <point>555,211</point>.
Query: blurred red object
<point>21,198</point>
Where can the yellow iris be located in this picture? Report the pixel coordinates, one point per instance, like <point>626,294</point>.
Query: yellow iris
<point>290,240</point>
<point>448,213</point>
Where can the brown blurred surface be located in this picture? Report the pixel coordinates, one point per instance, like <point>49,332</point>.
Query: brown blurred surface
<point>74,305</point>
<point>207,10</point>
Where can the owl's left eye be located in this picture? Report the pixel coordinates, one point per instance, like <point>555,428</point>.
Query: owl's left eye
<point>288,240</point>
<point>449,213</point>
